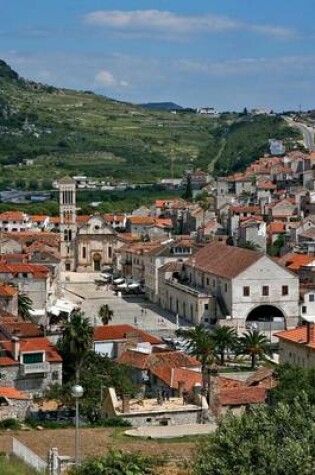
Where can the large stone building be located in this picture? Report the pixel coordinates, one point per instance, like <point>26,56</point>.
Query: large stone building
<point>84,246</point>
<point>232,286</point>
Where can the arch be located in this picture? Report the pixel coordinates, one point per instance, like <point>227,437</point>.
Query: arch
<point>266,318</point>
<point>97,259</point>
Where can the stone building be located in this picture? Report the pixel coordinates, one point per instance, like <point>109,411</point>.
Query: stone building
<point>248,288</point>
<point>297,346</point>
<point>87,245</point>
<point>29,365</point>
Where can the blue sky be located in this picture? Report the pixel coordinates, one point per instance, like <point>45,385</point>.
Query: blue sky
<point>222,53</point>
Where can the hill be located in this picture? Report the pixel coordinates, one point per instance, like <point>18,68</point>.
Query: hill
<point>167,106</point>
<point>78,132</point>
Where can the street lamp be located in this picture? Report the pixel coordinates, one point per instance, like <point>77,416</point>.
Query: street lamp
<point>77,393</point>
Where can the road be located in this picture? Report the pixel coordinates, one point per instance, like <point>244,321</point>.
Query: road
<point>308,135</point>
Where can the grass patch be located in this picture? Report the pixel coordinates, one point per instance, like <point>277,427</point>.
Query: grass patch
<point>14,466</point>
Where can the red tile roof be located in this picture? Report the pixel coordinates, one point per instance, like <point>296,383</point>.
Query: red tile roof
<point>122,332</point>
<point>276,228</point>
<point>242,396</point>
<point>30,345</point>
<point>12,393</point>
<point>35,269</point>
<point>222,260</point>
<point>299,336</point>
<point>38,218</point>
<point>167,359</point>
<point>13,216</point>
<point>21,329</point>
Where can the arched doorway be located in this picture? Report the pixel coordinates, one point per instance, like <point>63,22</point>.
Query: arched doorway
<point>266,318</point>
<point>97,258</point>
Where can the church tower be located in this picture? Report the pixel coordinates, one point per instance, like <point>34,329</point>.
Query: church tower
<point>68,223</point>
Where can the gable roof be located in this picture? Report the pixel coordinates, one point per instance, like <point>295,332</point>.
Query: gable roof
<point>121,332</point>
<point>222,260</point>
<point>297,335</point>
<point>242,396</point>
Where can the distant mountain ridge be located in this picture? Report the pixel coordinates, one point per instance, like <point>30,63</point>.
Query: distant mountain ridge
<point>167,106</point>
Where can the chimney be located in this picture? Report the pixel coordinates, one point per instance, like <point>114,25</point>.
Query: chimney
<point>15,348</point>
<point>125,404</point>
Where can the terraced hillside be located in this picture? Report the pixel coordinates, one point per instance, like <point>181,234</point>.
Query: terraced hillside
<point>78,132</point>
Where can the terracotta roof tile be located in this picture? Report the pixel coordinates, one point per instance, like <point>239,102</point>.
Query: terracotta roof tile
<point>242,396</point>
<point>298,335</point>
<point>12,393</point>
<point>122,332</point>
<point>226,261</point>
<point>13,216</point>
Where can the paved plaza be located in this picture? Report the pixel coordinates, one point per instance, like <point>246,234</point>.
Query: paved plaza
<point>81,289</point>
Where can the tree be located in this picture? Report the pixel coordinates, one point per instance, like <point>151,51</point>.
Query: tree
<point>188,190</point>
<point>200,345</point>
<point>97,373</point>
<point>105,314</point>
<point>292,381</point>
<point>25,305</point>
<point>277,441</point>
<point>75,344</point>
<point>255,344</point>
<point>224,338</point>
<point>250,245</point>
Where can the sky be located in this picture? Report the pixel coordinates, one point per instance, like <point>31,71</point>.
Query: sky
<point>228,54</point>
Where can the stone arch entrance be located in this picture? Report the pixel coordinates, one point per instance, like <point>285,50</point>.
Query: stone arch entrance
<point>97,259</point>
<point>266,318</point>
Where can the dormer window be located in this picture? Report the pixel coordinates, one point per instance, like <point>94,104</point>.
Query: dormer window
<point>31,358</point>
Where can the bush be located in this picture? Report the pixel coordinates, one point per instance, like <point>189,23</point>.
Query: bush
<point>118,463</point>
<point>11,423</point>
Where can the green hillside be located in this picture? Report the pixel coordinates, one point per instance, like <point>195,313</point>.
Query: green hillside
<point>78,132</point>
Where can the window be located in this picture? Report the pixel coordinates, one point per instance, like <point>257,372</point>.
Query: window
<point>208,281</point>
<point>55,376</point>
<point>24,275</point>
<point>246,291</point>
<point>285,290</point>
<point>83,252</point>
<point>265,290</point>
<point>225,287</point>
<point>206,306</point>
<point>31,358</point>
<point>110,252</point>
<point>311,298</point>
<point>304,309</point>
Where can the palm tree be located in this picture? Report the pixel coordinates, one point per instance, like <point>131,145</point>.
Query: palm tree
<point>76,342</point>
<point>255,344</point>
<point>250,245</point>
<point>200,345</point>
<point>25,305</point>
<point>105,314</point>
<point>224,338</point>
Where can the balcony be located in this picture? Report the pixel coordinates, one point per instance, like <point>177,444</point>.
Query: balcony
<point>194,291</point>
<point>34,368</point>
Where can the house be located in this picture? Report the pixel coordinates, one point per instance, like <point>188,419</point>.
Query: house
<point>13,404</point>
<point>30,279</point>
<point>253,230</point>
<point>113,340</point>
<point>29,365</point>
<point>247,286</point>
<point>297,346</point>
<point>14,221</point>
<point>9,298</point>
<point>161,369</point>
<point>172,250</point>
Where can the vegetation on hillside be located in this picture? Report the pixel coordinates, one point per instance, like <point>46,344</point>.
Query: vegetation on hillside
<point>75,132</point>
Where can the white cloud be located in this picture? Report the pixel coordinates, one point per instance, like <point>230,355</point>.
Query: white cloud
<point>159,21</point>
<point>106,79</point>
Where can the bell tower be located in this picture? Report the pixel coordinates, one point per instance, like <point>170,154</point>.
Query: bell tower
<point>68,223</point>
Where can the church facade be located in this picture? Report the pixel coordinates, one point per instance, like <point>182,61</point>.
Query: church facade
<point>87,246</point>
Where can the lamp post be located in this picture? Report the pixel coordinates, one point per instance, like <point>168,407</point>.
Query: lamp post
<point>77,393</point>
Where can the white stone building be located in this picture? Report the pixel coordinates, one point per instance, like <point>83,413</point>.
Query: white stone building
<point>249,288</point>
